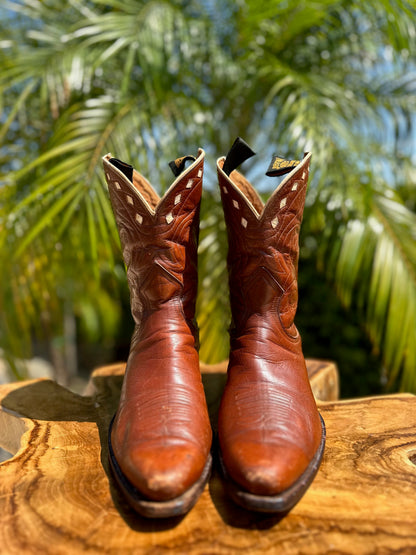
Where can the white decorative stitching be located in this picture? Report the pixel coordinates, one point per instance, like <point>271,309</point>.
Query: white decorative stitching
<point>274,222</point>
<point>295,186</point>
<point>117,184</point>
<point>199,173</point>
<point>225,190</point>
<point>189,184</point>
<point>139,218</point>
<point>107,176</point>
<point>177,199</point>
<point>169,218</point>
<point>129,199</point>
<point>283,202</point>
<point>304,174</point>
<point>243,222</point>
<point>236,205</point>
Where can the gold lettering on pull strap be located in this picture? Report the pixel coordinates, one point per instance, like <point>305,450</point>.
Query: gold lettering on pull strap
<point>281,163</point>
<point>280,166</point>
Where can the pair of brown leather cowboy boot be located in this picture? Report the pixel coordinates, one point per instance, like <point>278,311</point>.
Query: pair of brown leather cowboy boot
<point>271,437</point>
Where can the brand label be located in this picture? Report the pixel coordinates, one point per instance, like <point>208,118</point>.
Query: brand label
<point>280,166</point>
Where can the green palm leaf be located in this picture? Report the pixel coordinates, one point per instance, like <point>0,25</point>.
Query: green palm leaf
<point>150,81</point>
<point>378,260</point>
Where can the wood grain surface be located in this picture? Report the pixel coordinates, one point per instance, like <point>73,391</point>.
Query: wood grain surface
<point>58,497</point>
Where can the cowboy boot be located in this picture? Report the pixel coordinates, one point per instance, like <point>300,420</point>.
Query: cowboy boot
<point>271,435</point>
<point>160,438</point>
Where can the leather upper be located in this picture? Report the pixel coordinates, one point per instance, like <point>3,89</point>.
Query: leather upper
<point>161,435</point>
<point>269,427</point>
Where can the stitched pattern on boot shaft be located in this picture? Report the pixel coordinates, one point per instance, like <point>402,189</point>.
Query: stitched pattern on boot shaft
<point>159,249</point>
<point>263,253</point>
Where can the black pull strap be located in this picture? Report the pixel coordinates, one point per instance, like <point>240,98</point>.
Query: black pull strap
<point>280,166</point>
<point>123,167</point>
<point>177,166</point>
<point>239,152</point>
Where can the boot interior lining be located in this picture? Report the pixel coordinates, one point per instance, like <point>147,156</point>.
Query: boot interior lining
<point>145,189</point>
<point>246,188</point>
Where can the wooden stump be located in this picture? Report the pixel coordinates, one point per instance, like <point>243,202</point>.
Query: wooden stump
<point>58,497</point>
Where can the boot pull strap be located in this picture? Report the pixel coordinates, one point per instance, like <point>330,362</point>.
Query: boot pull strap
<point>280,166</point>
<point>239,152</point>
<point>123,167</point>
<point>177,166</point>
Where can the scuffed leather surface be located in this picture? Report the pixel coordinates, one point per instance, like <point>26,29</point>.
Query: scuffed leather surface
<point>269,427</point>
<point>161,435</point>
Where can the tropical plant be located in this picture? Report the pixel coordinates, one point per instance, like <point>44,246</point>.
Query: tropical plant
<point>150,80</point>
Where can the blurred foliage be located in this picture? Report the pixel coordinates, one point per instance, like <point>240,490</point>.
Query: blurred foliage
<point>151,80</point>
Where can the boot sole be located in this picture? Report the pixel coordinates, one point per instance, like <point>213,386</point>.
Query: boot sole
<point>157,509</point>
<point>284,501</point>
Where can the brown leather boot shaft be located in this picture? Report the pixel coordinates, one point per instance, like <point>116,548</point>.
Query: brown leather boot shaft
<point>269,427</point>
<point>161,435</point>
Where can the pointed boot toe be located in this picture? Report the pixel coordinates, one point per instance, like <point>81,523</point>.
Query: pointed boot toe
<point>159,481</point>
<point>267,469</point>
<point>269,478</point>
<point>163,472</point>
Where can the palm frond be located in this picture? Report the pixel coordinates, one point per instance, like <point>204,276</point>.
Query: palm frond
<point>150,81</point>
<point>213,311</point>
<point>377,262</point>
